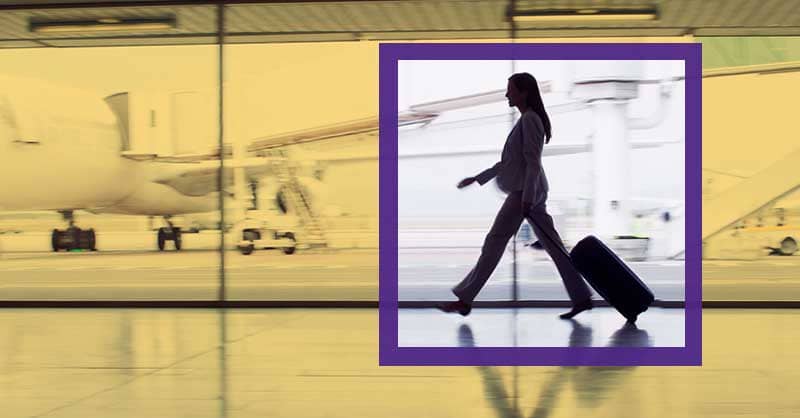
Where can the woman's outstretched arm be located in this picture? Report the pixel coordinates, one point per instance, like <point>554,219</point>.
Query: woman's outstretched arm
<point>481,178</point>
<point>487,174</point>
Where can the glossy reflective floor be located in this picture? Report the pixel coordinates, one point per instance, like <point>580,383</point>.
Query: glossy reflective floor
<point>323,363</point>
<point>540,327</point>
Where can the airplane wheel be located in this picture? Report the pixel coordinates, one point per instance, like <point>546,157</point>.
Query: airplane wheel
<point>75,238</point>
<point>788,246</point>
<point>55,237</point>
<point>84,239</point>
<point>290,250</point>
<point>161,239</point>
<point>91,240</point>
<point>177,239</point>
<point>247,250</point>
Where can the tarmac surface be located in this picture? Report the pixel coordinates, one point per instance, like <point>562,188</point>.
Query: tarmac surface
<point>35,273</point>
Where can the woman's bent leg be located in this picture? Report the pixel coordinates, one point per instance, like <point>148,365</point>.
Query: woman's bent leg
<point>506,223</point>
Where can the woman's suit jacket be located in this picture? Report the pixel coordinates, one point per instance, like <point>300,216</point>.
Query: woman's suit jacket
<point>520,165</point>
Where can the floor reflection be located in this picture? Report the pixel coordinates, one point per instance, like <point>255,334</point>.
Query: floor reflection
<point>324,363</point>
<point>223,367</point>
<point>541,327</point>
<point>591,384</point>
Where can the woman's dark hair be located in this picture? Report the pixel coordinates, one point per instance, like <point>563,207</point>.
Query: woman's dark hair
<point>525,82</point>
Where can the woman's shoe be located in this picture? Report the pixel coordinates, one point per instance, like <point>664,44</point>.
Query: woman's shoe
<point>583,306</point>
<point>458,306</point>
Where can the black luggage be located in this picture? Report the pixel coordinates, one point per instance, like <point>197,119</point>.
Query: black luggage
<point>611,277</point>
<point>613,280</point>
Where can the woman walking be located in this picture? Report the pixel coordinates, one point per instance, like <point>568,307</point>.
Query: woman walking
<point>520,175</point>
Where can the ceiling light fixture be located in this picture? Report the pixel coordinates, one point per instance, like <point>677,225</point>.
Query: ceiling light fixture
<point>585,15</point>
<point>107,24</point>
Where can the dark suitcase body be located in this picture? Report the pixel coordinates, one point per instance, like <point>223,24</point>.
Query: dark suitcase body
<point>611,278</point>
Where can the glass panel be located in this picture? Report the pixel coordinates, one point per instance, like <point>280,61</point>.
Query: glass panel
<point>122,141</point>
<point>441,227</point>
<point>615,169</point>
<point>750,158</point>
<point>301,120</point>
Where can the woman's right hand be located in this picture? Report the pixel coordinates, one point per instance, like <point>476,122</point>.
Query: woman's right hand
<point>466,182</point>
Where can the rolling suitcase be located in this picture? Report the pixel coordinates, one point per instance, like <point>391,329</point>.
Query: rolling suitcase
<point>610,277</point>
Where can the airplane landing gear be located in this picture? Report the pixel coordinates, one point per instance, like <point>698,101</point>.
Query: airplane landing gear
<point>72,238</point>
<point>169,233</point>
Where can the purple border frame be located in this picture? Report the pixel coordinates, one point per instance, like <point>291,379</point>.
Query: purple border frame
<point>391,354</point>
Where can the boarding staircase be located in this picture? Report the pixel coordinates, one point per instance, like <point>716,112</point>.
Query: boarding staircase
<point>751,195</point>
<point>297,201</point>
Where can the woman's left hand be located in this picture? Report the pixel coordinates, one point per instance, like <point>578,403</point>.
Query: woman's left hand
<point>466,182</point>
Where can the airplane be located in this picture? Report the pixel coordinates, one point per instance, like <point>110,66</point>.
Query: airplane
<point>73,151</point>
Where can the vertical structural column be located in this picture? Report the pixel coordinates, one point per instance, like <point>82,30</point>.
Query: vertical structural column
<point>221,173</point>
<point>608,97</point>
<point>514,285</point>
<point>612,162</point>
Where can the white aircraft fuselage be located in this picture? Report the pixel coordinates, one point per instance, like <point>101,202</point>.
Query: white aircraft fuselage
<point>61,149</point>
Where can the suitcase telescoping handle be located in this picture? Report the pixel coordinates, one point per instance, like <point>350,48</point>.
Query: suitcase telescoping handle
<point>555,242</point>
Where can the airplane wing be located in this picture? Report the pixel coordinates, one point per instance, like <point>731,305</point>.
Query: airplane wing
<point>478,99</point>
<point>339,130</point>
<point>470,100</point>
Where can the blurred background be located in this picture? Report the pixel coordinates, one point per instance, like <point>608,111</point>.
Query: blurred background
<point>216,151</point>
<point>615,166</point>
<point>132,131</point>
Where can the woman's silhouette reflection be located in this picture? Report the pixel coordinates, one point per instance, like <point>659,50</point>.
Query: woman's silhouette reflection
<point>591,384</point>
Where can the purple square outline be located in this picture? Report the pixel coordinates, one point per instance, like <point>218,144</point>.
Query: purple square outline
<point>392,355</point>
